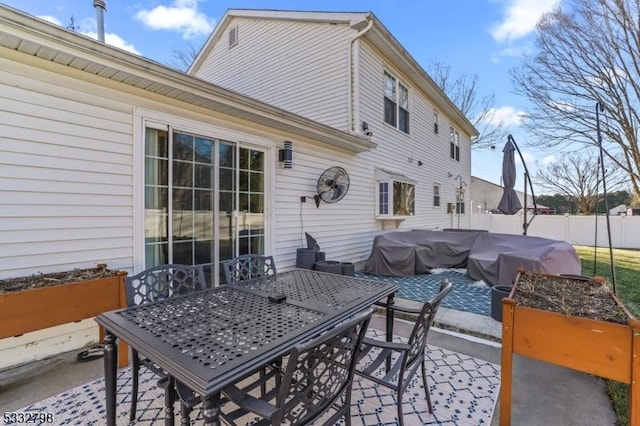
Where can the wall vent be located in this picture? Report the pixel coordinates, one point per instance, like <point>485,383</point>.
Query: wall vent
<point>233,36</point>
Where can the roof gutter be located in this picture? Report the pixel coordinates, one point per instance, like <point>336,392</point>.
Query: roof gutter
<point>39,39</point>
<point>354,79</point>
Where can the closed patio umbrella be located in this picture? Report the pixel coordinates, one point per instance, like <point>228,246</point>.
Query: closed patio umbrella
<point>509,203</point>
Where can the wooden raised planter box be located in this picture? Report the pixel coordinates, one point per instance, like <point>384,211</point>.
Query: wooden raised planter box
<point>32,309</point>
<point>605,349</point>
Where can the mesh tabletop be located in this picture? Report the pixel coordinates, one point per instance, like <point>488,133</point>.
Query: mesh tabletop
<point>212,338</point>
<point>315,290</point>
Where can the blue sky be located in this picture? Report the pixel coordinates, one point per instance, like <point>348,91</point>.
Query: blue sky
<point>483,37</point>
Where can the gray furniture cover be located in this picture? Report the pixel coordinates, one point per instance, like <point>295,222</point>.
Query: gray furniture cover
<point>495,258</point>
<point>408,253</point>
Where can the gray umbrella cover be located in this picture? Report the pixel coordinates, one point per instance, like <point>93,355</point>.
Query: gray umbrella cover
<point>509,203</point>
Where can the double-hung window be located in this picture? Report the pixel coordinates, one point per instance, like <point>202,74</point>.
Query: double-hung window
<point>454,143</point>
<point>436,195</point>
<point>395,195</point>
<point>396,103</point>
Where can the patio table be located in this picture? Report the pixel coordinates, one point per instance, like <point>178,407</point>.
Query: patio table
<point>215,337</point>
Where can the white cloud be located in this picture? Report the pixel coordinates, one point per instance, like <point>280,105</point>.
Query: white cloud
<point>527,157</point>
<point>563,106</point>
<point>113,40</point>
<point>506,115</point>
<point>51,19</point>
<point>549,159</point>
<point>513,52</point>
<point>520,18</point>
<point>182,16</point>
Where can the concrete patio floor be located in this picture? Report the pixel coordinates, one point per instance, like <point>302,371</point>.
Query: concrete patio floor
<point>543,394</point>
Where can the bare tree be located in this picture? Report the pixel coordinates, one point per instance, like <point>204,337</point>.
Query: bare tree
<point>462,89</point>
<point>576,176</point>
<point>588,52</point>
<point>181,59</point>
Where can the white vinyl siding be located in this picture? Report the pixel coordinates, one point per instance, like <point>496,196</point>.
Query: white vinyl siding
<point>65,176</point>
<point>401,152</point>
<point>299,66</point>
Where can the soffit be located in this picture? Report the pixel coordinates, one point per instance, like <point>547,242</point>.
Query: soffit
<point>37,38</point>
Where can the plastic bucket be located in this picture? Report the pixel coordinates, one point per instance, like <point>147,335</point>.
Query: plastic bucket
<point>348,268</point>
<point>305,258</point>
<point>330,266</point>
<point>498,293</point>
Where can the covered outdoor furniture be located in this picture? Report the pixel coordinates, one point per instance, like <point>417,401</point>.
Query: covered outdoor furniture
<point>407,357</point>
<point>317,379</point>
<point>495,258</point>
<point>213,338</point>
<point>248,266</point>
<point>153,284</point>
<point>417,252</point>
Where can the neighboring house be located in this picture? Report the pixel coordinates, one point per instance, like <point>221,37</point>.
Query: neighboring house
<point>347,71</point>
<point>485,197</point>
<point>619,210</point>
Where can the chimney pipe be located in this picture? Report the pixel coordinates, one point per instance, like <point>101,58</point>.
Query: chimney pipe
<point>100,6</point>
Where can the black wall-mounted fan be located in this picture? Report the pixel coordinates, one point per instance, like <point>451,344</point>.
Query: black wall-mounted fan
<point>333,185</point>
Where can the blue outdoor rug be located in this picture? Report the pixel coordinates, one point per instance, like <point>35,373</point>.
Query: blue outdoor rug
<point>463,390</point>
<point>467,294</point>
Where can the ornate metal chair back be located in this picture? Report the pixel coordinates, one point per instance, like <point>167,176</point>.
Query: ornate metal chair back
<point>163,281</point>
<point>248,266</point>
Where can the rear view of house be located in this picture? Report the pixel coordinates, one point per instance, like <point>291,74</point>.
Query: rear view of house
<point>347,71</point>
<point>108,157</point>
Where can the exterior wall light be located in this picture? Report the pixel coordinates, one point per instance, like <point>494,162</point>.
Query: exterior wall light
<point>285,155</point>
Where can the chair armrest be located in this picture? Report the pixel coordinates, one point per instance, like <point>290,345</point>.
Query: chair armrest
<point>248,402</point>
<point>395,307</point>
<point>400,347</point>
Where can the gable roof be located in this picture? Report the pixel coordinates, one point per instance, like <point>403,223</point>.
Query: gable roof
<point>378,35</point>
<point>23,33</point>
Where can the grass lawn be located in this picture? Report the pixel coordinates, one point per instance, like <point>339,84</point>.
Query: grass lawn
<point>627,270</point>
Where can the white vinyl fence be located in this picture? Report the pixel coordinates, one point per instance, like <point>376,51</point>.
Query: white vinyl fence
<point>579,230</point>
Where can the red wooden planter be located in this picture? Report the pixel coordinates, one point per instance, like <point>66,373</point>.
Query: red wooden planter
<point>596,347</point>
<point>38,308</point>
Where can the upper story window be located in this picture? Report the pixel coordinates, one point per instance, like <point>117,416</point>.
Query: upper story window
<point>435,122</point>
<point>396,103</point>
<point>454,143</point>
<point>395,195</point>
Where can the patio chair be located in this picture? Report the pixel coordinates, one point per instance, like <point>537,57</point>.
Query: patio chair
<point>406,357</point>
<point>248,266</point>
<point>317,380</point>
<point>157,283</point>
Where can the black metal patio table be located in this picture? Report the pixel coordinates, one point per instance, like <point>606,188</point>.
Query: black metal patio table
<point>215,337</point>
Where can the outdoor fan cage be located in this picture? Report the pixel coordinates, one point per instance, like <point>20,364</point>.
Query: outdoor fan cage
<point>333,185</point>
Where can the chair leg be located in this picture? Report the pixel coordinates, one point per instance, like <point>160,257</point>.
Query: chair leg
<point>426,386</point>
<point>263,385</point>
<point>135,368</point>
<point>400,415</point>
<point>185,414</point>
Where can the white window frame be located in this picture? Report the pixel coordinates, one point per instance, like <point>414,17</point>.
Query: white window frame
<point>387,180</point>
<point>454,143</point>
<point>435,122</point>
<point>392,96</point>
<point>437,199</point>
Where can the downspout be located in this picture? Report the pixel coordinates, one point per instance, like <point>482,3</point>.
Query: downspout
<point>354,79</point>
<point>101,7</point>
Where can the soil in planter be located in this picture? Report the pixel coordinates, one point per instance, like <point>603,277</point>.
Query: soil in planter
<point>47,280</point>
<point>588,299</point>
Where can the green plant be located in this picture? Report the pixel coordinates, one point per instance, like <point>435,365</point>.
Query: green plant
<point>627,270</point>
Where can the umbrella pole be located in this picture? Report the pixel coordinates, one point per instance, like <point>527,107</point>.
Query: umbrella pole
<point>524,223</point>
<point>527,178</point>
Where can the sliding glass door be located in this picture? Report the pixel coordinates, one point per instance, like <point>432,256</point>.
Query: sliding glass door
<point>204,200</point>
